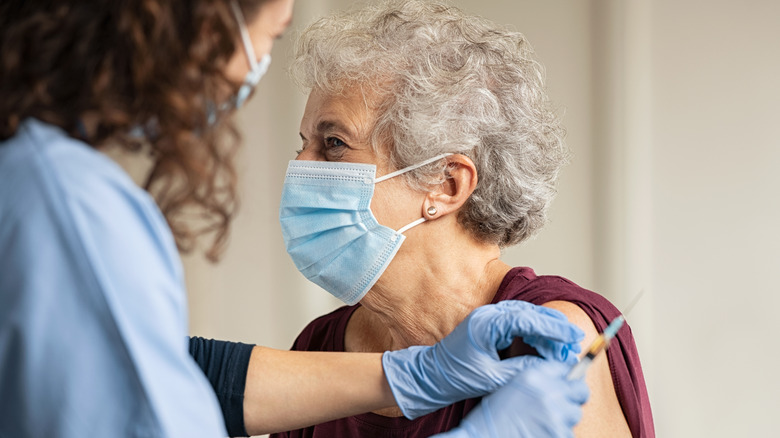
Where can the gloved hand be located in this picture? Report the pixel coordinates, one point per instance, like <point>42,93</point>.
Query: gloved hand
<point>465,364</point>
<point>537,403</point>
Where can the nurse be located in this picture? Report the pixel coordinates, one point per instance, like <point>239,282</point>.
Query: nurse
<point>93,317</point>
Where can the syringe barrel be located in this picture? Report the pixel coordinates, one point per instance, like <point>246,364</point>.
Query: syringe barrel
<point>579,369</point>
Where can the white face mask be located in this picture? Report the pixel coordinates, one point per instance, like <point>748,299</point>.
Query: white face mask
<point>256,69</point>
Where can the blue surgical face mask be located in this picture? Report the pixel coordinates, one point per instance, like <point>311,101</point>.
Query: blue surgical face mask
<point>328,228</point>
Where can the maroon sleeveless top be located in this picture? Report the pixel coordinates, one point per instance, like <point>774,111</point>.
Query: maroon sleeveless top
<point>326,333</point>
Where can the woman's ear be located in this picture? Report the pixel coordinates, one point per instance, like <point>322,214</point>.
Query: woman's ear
<point>449,196</point>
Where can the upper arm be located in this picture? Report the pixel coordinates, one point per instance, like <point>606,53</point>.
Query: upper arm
<point>602,414</point>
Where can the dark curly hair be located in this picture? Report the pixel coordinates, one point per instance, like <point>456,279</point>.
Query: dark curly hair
<point>153,65</point>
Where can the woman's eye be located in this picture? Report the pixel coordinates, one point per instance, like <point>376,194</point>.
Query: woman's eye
<point>333,142</point>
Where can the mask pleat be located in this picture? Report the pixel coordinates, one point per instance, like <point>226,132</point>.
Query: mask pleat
<point>330,198</point>
<point>309,251</point>
<point>361,261</point>
<point>312,225</point>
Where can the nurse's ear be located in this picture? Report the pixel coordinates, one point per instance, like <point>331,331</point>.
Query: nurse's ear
<point>449,196</point>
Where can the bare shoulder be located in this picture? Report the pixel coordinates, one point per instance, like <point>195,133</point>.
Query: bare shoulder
<point>576,316</point>
<point>602,414</point>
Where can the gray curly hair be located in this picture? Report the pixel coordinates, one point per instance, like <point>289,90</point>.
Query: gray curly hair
<point>448,82</point>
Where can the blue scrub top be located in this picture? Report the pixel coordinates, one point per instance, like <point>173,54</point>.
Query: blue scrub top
<point>93,312</point>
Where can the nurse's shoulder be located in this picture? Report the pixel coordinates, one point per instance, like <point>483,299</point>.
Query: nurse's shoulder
<point>57,183</point>
<point>43,163</point>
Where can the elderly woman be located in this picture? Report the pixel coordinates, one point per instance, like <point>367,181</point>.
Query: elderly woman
<point>93,315</point>
<point>428,146</point>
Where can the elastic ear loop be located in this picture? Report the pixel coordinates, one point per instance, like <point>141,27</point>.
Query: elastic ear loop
<point>402,171</point>
<point>248,47</point>
<point>406,228</point>
<point>256,69</point>
<point>407,169</point>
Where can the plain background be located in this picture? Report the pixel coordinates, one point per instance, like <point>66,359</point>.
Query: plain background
<point>672,111</point>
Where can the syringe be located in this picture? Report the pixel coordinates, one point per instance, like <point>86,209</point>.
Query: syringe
<point>602,341</point>
<point>600,344</point>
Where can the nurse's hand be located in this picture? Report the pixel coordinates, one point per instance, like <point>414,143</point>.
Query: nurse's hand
<point>538,403</point>
<point>466,364</point>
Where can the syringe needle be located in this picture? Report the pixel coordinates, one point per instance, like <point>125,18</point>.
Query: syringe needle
<point>631,305</point>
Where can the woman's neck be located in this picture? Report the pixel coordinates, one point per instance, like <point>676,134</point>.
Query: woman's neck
<point>419,303</point>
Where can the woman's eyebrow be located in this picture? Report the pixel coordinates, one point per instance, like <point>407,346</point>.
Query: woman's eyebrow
<point>330,125</point>
<point>333,125</point>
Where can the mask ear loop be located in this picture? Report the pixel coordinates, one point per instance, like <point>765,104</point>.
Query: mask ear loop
<point>412,167</point>
<point>413,224</point>
<point>256,69</point>
<point>403,229</point>
<point>248,48</point>
<point>402,171</point>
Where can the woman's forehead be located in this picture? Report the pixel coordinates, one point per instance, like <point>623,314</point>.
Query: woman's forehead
<point>348,110</point>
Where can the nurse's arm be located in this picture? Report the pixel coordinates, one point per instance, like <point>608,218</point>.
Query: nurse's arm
<point>288,390</point>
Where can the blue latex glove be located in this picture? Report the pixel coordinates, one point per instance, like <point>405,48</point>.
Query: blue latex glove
<point>537,403</point>
<point>465,364</point>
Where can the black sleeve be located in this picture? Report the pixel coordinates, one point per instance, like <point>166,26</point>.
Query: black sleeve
<point>225,364</point>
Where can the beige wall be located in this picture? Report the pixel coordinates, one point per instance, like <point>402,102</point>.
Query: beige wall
<point>672,111</point>
<point>716,201</point>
